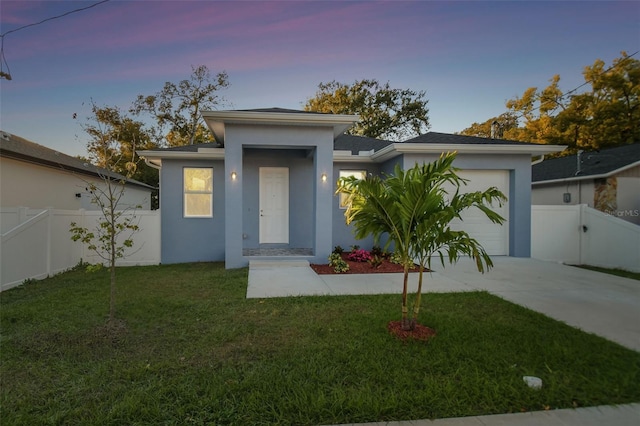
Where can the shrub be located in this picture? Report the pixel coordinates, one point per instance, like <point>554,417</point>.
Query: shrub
<point>359,255</point>
<point>339,265</point>
<point>395,258</point>
<point>375,261</point>
<point>355,247</point>
<point>338,250</point>
<point>377,251</point>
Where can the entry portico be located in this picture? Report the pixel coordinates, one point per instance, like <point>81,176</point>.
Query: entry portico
<point>278,179</point>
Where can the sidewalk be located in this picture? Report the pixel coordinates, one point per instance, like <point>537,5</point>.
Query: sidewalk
<point>606,415</point>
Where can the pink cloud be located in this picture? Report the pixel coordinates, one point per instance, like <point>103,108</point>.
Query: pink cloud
<point>126,41</point>
<point>18,13</point>
<point>135,25</point>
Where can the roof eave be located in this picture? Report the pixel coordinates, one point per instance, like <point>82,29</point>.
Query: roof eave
<point>156,157</point>
<point>586,177</point>
<point>343,156</point>
<point>395,149</point>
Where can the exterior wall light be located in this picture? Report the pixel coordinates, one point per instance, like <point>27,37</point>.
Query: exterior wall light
<point>323,177</point>
<point>234,175</point>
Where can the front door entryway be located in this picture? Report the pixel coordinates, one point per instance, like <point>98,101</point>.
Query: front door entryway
<point>274,205</point>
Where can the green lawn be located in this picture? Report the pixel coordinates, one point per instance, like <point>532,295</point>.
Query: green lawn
<point>193,350</point>
<point>618,272</point>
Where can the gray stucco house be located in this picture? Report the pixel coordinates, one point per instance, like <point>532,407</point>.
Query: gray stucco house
<point>266,187</point>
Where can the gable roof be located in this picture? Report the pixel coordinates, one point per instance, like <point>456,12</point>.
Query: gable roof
<point>593,164</point>
<point>15,147</point>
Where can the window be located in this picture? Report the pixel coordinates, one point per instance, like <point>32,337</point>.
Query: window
<point>360,174</point>
<point>198,192</point>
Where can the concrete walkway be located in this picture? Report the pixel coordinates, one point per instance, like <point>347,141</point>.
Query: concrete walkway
<point>602,304</point>
<point>606,415</point>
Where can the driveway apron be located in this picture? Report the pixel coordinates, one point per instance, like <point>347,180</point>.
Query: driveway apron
<point>595,302</point>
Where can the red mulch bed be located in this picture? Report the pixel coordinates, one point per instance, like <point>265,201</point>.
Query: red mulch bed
<point>420,332</point>
<point>361,267</point>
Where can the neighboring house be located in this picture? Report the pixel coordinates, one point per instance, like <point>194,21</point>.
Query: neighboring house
<point>37,177</point>
<point>267,187</point>
<point>607,180</point>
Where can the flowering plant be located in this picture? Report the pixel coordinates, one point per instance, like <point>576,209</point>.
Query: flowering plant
<point>359,255</point>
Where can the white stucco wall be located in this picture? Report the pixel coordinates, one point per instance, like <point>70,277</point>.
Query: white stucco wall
<point>38,187</point>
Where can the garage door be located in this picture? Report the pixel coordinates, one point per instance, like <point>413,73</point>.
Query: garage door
<point>494,238</point>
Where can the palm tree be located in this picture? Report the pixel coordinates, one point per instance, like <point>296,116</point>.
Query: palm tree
<point>413,211</point>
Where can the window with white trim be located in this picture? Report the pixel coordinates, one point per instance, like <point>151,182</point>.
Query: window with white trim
<point>198,191</point>
<point>360,174</point>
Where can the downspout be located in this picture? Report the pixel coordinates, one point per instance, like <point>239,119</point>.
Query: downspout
<point>578,172</point>
<point>580,192</point>
<point>581,230</point>
<point>538,161</point>
<point>150,164</point>
<point>158,168</point>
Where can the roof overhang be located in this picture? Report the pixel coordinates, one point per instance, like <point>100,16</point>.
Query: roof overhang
<point>395,149</point>
<point>216,120</point>
<point>587,177</point>
<point>346,156</point>
<point>154,158</point>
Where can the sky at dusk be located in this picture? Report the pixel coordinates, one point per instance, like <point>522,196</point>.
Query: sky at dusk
<point>469,57</point>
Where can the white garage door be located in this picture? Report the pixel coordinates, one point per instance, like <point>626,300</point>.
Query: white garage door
<point>494,238</point>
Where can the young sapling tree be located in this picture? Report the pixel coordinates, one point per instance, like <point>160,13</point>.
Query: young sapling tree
<point>112,237</point>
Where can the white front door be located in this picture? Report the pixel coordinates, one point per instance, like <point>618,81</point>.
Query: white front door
<point>274,205</point>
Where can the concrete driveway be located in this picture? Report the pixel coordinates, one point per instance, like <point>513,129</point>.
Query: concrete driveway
<point>603,304</point>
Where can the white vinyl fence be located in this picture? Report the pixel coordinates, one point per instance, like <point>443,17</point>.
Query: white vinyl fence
<point>581,235</point>
<point>35,244</point>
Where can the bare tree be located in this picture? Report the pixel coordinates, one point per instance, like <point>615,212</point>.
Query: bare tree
<point>177,108</point>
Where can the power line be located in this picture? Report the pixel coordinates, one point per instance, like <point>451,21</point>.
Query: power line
<point>602,73</point>
<point>565,94</point>
<point>52,18</point>
<point>3,60</point>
